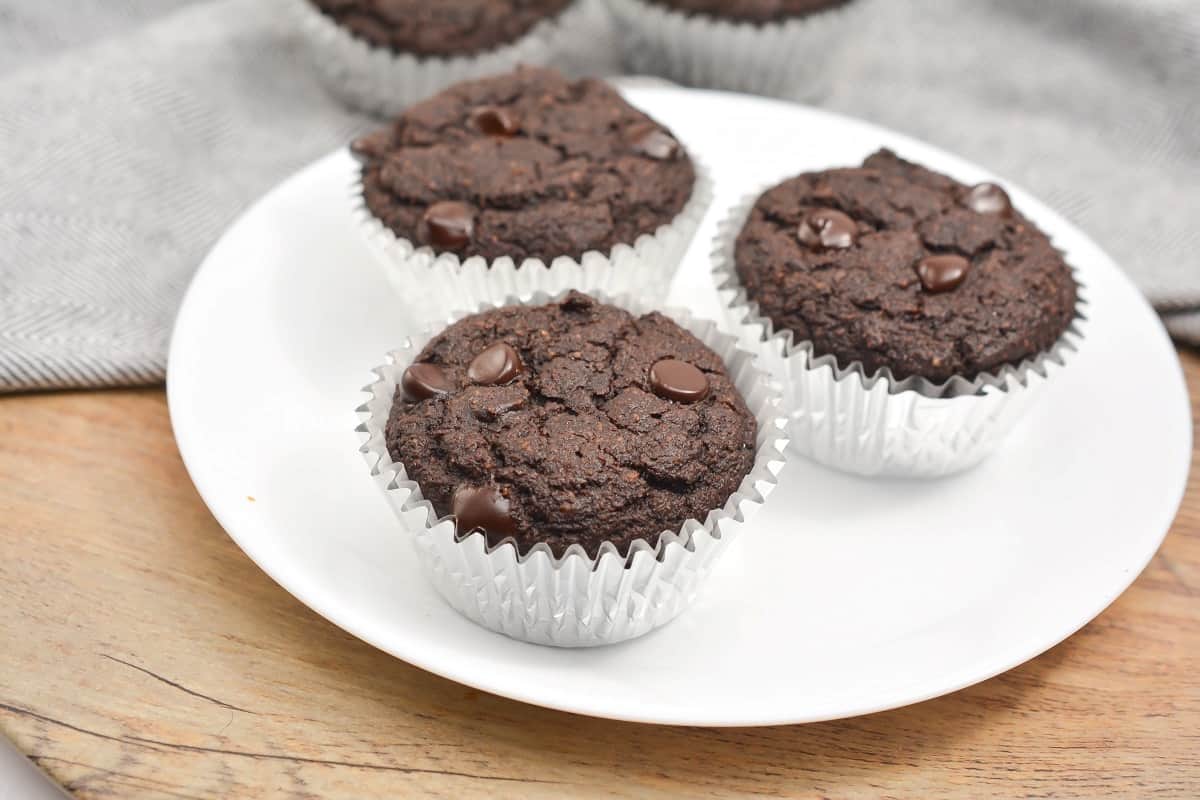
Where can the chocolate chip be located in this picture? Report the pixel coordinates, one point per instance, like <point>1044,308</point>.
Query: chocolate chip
<point>447,225</point>
<point>495,121</point>
<point>988,198</point>
<point>498,364</point>
<point>656,144</point>
<point>942,273</point>
<point>577,301</point>
<point>827,229</point>
<point>482,508</point>
<point>673,379</point>
<point>422,381</point>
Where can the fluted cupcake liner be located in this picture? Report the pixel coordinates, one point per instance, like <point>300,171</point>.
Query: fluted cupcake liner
<point>576,600</point>
<point>792,57</point>
<point>874,424</point>
<point>430,285</point>
<point>377,80</point>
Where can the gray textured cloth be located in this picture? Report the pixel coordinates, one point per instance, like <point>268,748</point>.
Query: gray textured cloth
<point>124,158</point>
<point>133,131</point>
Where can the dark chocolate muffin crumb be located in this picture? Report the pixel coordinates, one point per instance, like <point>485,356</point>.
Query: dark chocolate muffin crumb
<point>526,164</point>
<point>555,430</point>
<point>936,279</point>
<point>440,27</point>
<point>753,11</point>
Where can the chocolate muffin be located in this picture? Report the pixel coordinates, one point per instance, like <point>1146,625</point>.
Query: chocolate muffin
<point>441,28</point>
<point>571,423</point>
<point>527,164</point>
<point>757,12</point>
<point>901,268</point>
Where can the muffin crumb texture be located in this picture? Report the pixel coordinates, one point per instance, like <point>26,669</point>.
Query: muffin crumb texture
<point>528,165</point>
<point>573,422</point>
<point>899,267</point>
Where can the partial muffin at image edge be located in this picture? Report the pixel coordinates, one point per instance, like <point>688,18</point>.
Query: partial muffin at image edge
<point>524,165</point>
<point>571,423</point>
<point>381,57</point>
<point>899,268</point>
<point>788,48</point>
<point>445,28</point>
<point>751,11</point>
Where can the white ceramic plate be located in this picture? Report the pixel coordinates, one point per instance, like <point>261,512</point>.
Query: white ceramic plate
<point>847,596</point>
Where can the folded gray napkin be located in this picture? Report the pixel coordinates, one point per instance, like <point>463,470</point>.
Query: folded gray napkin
<point>133,131</point>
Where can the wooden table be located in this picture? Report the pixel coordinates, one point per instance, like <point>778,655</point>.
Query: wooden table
<point>144,656</point>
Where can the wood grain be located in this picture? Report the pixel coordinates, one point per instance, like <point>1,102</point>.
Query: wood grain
<point>144,656</point>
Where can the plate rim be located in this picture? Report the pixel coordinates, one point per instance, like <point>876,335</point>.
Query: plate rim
<point>965,677</point>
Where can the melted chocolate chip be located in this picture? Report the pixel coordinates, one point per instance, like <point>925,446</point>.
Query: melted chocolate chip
<point>447,225</point>
<point>656,144</point>
<point>988,198</point>
<point>827,229</point>
<point>673,379</point>
<point>498,364</point>
<point>942,273</point>
<point>422,381</point>
<point>495,121</point>
<point>482,508</point>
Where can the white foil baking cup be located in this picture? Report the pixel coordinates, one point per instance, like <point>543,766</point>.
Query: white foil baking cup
<point>792,58</point>
<point>431,285</point>
<point>378,80</point>
<point>875,424</point>
<point>576,600</point>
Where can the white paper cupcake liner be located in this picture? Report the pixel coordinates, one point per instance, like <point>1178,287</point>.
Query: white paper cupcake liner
<point>576,600</point>
<point>377,80</point>
<point>430,285</point>
<point>875,424</point>
<point>793,58</point>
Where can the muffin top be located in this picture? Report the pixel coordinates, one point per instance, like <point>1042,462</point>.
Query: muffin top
<point>526,164</point>
<point>439,27</point>
<point>894,265</point>
<point>754,11</point>
<point>570,423</point>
